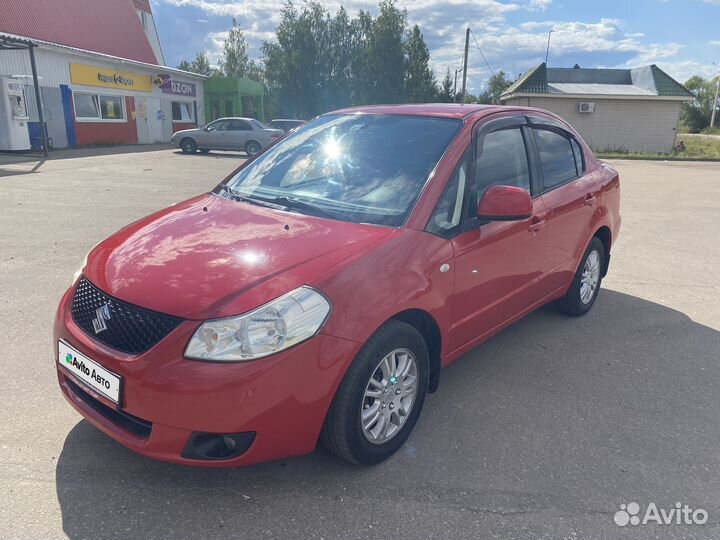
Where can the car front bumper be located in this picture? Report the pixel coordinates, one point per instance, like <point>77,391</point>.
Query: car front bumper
<point>281,399</point>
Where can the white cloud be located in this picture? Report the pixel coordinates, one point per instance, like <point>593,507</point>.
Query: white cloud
<point>539,5</point>
<point>715,42</point>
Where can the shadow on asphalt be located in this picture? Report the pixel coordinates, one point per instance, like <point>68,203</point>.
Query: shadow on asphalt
<point>556,420</point>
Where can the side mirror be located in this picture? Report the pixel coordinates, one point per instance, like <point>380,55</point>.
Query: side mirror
<point>505,203</point>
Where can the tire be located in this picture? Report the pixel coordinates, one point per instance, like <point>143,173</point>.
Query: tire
<point>188,145</point>
<point>252,148</point>
<point>343,432</point>
<point>576,301</point>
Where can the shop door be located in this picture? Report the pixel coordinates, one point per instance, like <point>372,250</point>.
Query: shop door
<point>141,120</point>
<point>156,120</point>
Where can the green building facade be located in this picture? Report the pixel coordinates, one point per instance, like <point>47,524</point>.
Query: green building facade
<point>229,96</point>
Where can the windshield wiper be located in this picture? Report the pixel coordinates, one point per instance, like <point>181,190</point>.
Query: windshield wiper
<point>284,203</point>
<point>235,196</point>
<point>292,203</point>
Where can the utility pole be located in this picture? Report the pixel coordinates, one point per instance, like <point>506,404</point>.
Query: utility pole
<point>455,85</point>
<point>465,65</point>
<point>547,51</point>
<point>715,103</point>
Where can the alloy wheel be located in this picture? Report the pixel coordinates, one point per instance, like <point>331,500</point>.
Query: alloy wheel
<point>389,396</point>
<point>590,277</point>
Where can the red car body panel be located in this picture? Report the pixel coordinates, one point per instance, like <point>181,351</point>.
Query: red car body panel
<point>209,257</point>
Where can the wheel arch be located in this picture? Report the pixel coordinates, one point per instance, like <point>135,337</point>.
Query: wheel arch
<point>605,236</point>
<point>429,329</point>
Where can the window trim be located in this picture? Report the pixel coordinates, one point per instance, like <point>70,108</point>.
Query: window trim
<point>547,124</point>
<point>181,102</point>
<point>99,119</point>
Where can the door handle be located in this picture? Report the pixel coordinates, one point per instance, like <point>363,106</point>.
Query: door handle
<point>590,199</point>
<point>536,225</point>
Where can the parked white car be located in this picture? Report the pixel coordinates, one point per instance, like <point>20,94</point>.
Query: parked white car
<point>240,134</point>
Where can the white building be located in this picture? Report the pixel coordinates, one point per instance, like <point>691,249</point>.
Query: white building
<point>101,83</point>
<point>628,110</point>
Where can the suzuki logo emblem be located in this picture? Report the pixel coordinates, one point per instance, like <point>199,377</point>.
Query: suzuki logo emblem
<point>102,314</point>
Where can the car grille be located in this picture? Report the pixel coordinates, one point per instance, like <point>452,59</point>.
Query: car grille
<point>120,325</point>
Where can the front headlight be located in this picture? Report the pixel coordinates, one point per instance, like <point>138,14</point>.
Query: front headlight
<point>282,323</point>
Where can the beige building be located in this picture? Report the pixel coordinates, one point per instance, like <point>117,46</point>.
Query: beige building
<point>627,110</point>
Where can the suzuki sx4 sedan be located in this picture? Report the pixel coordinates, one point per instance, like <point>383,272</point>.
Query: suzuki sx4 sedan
<point>317,292</point>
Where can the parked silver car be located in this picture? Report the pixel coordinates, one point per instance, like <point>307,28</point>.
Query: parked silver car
<point>238,134</point>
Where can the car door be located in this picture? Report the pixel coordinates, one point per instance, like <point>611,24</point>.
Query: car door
<point>568,196</point>
<point>497,263</point>
<point>239,133</point>
<point>214,135</point>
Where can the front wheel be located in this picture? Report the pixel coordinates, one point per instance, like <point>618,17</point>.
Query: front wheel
<point>586,284</point>
<point>188,146</point>
<point>381,396</point>
<point>252,148</point>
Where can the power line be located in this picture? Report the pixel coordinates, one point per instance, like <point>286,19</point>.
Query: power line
<point>481,53</point>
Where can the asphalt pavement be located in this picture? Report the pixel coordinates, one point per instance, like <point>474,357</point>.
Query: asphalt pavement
<point>542,432</point>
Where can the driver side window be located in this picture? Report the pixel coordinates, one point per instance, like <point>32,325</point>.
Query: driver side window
<point>502,160</point>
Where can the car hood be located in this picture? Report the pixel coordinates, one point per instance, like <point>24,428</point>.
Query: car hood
<point>190,131</point>
<point>212,257</point>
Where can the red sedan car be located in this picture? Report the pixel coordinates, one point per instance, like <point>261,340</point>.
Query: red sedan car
<point>317,292</point>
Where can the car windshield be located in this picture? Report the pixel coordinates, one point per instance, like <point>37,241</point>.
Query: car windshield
<point>367,168</point>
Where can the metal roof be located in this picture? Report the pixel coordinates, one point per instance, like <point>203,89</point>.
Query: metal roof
<point>592,88</point>
<point>105,26</point>
<point>648,81</point>
<point>91,54</point>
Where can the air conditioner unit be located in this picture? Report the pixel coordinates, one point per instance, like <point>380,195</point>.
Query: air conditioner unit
<point>586,107</point>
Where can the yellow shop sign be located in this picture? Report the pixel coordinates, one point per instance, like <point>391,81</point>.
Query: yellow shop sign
<point>109,78</point>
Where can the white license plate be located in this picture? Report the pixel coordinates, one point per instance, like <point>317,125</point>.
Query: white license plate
<point>91,373</point>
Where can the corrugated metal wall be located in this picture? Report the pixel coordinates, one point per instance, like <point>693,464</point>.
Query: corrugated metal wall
<point>617,124</point>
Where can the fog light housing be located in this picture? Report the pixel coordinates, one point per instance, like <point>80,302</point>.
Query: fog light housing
<point>217,446</point>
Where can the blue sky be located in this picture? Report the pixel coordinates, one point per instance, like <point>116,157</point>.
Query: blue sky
<point>681,36</point>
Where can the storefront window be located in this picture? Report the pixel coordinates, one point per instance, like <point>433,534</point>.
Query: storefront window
<point>182,111</point>
<point>98,107</point>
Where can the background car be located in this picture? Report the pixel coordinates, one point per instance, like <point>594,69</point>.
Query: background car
<point>286,124</point>
<point>237,134</point>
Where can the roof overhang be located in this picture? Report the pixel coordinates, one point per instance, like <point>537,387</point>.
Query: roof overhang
<point>590,97</point>
<point>41,44</point>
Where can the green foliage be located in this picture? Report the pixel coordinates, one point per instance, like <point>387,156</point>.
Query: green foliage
<point>320,62</point>
<point>420,84</point>
<point>445,95</point>
<point>696,115</point>
<point>236,62</point>
<point>497,85</point>
<point>200,65</point>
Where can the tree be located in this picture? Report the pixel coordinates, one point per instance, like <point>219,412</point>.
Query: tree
<point>200,64</point>
<point>386,54</point>
<point>236,62</point>
<point>496,86</point>
<point>420,84</point>
<point>445,95</point>
<point>696,115</point>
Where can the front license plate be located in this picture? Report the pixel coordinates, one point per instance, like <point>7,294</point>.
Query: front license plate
<point>91,373</point>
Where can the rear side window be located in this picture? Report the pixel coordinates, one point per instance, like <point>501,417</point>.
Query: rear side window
<point>556,157</point>
<point>501,160</point>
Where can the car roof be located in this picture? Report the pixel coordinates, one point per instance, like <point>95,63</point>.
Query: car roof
<point>287,120</point>
<point>234,118</point>
<point>441,110</point>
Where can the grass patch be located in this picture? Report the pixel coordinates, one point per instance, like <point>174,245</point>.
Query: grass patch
<point>696,148</point>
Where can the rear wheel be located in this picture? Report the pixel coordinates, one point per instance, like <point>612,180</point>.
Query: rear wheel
<point>381,396</point>
<point>252,148</point>
<point>188,145</point>
<point>586,284</point>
